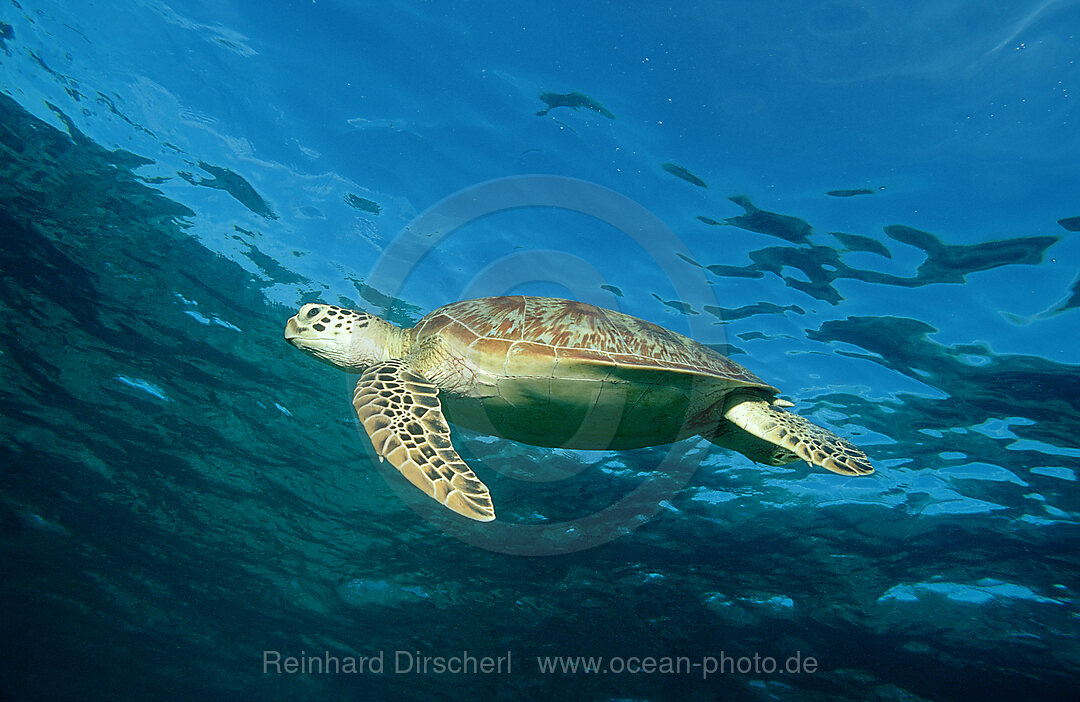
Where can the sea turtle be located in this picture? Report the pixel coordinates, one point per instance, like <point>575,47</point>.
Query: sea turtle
<point>548,372</point>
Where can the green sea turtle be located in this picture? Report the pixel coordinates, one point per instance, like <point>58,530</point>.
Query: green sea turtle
<point>548,372</point>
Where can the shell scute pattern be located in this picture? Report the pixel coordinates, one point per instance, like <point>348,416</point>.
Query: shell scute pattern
<point>579,331</point>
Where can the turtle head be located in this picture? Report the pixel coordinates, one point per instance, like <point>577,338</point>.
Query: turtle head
<point>342,337</point>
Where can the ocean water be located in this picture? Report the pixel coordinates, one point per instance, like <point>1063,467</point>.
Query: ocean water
<point>874,206</point>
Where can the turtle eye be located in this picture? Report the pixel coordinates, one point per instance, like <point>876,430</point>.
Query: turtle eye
<point>314,312</point>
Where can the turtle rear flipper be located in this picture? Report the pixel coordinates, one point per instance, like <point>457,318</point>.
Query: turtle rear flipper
<point>730,436</point>
<point>401,413</point>
<point>813,444</point>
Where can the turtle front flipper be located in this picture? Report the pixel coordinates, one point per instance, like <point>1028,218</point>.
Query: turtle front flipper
<point>401,413</point>
<point>813,444</point>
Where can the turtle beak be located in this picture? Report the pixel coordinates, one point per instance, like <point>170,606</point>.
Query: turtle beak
<point>292,330</point>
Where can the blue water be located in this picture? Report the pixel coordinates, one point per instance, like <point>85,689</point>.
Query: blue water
<point>871,205</point>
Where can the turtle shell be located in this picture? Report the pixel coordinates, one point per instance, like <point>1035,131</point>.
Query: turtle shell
<point>527,336</point>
